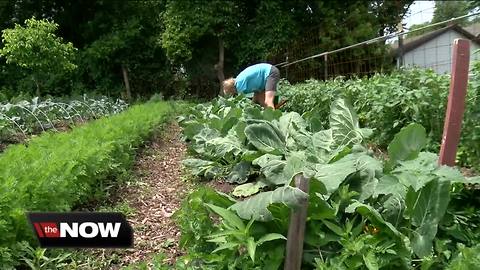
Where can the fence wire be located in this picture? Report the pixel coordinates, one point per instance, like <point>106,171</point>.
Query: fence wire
<point>432,48</point>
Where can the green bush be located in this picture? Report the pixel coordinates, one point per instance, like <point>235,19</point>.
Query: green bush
<point>387,103</point>
<point>57,171</point>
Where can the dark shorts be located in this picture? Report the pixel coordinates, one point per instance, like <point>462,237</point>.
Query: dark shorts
<point>272,79</point>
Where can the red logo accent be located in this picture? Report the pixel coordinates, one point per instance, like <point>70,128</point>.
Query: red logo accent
<point>47,229</point>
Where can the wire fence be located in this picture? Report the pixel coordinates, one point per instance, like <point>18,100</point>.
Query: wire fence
<point>429,46</point>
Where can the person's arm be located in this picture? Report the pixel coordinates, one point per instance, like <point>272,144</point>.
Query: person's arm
<point>269,99</point>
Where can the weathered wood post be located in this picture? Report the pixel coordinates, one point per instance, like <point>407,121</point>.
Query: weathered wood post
<point>296,230</point>
<point>456,102</point>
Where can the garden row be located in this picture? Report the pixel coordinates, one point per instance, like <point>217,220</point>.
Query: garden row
<point>387,103</point>
<point>363,212</point>
<point>31,117</point>
<point>58,171</point>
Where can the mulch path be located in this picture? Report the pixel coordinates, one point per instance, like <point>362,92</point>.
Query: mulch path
<point>154,196</point>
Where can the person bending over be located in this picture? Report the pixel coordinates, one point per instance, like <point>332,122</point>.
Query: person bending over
<point>260,79</point>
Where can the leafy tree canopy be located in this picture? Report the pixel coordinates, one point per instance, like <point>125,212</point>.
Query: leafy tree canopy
<point>35,46</point>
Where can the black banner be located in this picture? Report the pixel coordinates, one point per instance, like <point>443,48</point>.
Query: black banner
<point>82,230</point>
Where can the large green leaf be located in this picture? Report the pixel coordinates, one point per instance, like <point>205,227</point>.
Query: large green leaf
<point>270,237</point>
<point>263,160</point>
<point>417,172</point>
<point>256,207</point>
<point>273,171</point>
<point>281,172</point>
<point>407,144</point>
<point>252,113</point>
<point>200,140</point>
<point>251,247</point>
<point>318,208</point>
<point>368,166</point>
<point>446,173</point>
<point>228,216</point>
<point>239,129</point>
<point>333,174</point>
<point>248,189</point>
<point>270,114</point>
<point>425,208</point>
<point>221,146</point>
<point>291,121</point>
<point>389,184</point>
<point>371,261</point>
<point>228,124</point>
<point>344,123</point>
<point>198,166</point>
<point>314,121</point>
<point>295,164</point>
<point>191,128</point>
<point>323,140</point>
<point>239,173</point>
<point>265,137</point>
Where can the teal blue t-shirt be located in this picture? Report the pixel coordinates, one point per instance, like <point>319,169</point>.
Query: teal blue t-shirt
<point>253,78</point>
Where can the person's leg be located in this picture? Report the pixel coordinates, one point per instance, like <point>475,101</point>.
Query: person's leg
<point>259,98</point>
<point>271,87</point>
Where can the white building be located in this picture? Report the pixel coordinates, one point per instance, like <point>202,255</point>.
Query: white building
<point>434,49</point>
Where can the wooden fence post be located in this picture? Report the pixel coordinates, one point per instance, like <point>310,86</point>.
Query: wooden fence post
<point>296,230</point>
<point>456,102</point>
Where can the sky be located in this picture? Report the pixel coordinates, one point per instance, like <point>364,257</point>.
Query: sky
<point>419,12</point>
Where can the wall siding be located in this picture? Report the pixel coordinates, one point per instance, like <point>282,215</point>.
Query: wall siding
<point>437,53</point>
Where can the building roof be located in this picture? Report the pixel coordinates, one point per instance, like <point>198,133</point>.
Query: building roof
<point>473,28</point>
<point>414,42</point>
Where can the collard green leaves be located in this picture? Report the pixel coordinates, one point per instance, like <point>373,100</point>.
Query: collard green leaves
<point>256,207</point>
<point>425,208</point>
<point>344,123</point>
<point>374,212</point>
<point>266,137</point>
<point>407,144</point>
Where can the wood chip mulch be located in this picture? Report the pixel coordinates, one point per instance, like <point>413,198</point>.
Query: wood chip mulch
<point>155,196</point>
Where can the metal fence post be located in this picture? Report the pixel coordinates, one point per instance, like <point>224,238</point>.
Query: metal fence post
<point>400,60</point>
<point>286,68</point>
<point>456,102</point>
<point>325,69</point>
<point>296,230</point>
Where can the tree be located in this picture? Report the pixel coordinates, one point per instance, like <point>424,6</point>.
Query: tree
<point>446,10</point>
<point>419,32</point>
<point>37,48</point>
<point>251,31</point>
<point>186,22</point>
<point>122,52</point>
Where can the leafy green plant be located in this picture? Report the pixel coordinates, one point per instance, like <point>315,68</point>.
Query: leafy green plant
<point>364,213</point>
<point>235,235</point>
<point>389,102</point>
<point>36,48</point>
<point>36,258</point>
<point>32,117</point>
<point>57,171</point>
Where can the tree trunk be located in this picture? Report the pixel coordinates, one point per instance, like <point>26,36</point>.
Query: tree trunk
<point>37,91</point>
<point>127,84</point>
<point>219,65</point>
